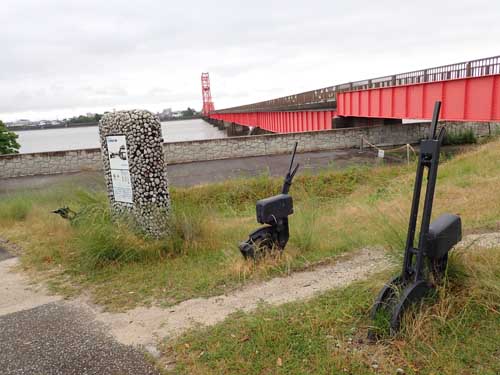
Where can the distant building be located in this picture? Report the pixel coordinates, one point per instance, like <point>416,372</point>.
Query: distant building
<point>166,114</point>
<point>20,123</point>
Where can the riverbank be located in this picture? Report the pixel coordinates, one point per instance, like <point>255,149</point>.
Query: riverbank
<point>46,127</point>
<point>83,124</point>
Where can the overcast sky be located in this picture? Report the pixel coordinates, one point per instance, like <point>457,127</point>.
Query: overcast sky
<point>60,57</point>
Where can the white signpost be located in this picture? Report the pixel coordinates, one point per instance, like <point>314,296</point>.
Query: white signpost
<point>118,162</point>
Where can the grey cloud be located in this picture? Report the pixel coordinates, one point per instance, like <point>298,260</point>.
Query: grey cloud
<point>59,54</point>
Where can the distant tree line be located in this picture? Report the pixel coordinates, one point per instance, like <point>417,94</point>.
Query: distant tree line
<point>85,119</point>
<point>189,112</point>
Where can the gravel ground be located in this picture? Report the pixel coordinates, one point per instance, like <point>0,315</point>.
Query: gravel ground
<point>58,339</point>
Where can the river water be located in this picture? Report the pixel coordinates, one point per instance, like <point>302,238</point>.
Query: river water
<point>88,137</point>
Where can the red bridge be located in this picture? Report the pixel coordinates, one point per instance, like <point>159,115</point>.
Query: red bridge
<point>469,91</point>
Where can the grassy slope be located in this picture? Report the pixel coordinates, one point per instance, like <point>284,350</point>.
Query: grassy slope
<point>120,269</point>
<point>459,334</point>
<point>335,212</point>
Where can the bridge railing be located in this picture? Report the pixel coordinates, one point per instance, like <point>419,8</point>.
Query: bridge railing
<point>327,96</point>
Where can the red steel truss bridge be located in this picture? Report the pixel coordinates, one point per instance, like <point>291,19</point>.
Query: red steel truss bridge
<point>469,91</point>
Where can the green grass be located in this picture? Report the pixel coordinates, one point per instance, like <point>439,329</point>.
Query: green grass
<point>335,212</point>
<point>458,334</point>
<point>15,209</point>
<point>200,257</point>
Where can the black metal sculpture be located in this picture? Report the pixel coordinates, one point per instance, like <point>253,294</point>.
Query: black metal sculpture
<point>273,212</point>
<point>423,266</point>
<point>66,213</point>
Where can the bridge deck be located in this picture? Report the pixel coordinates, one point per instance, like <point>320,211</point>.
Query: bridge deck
<point>470,91</point>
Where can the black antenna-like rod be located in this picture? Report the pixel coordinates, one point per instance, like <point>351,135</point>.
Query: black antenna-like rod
<point>293,157</point>
<point>289,176</point>
<point>435,117</point>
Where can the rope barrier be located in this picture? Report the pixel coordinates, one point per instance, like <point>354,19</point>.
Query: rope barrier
<point>408,147</point>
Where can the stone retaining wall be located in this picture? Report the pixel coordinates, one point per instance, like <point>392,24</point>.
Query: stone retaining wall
<point>17,165</point>
<point>480,129</point>
<point>227,148</point>
<point>270,144</point>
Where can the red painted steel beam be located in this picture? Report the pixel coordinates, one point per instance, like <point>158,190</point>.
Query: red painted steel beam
<point>281,122</point>
<point>465,99</point>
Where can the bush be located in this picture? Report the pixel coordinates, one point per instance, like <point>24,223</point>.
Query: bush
<point>464,137</point>
<point>8,141</point>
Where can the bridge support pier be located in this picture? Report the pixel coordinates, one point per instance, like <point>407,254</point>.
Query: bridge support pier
<point>236,130</point>
<point>351,122</point>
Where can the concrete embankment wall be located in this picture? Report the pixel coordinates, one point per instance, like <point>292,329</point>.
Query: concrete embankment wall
<point>17,165</point>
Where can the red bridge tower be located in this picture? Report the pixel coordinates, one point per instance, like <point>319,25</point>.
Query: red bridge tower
<point>208,104</point>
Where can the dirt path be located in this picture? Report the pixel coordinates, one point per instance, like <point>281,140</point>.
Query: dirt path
<point>16,293</point>
<point>145,326</point>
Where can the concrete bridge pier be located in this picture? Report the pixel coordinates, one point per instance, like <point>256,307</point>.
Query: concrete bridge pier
<point>340,122</point>
<point>219,124</point>
<point>236,130</point>
<point>232,129</point>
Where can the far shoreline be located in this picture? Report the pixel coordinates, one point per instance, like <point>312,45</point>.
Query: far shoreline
<point>84,124</point>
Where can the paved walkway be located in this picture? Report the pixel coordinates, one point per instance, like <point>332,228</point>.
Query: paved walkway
<point>41,334</point>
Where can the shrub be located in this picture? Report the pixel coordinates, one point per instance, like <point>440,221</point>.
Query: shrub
<point>460,138</point>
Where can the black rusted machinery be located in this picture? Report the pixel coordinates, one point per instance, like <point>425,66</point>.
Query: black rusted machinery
<point>122,153</point>
<point>66,213</point>
<point>423,266</point>
<point>273,212</point>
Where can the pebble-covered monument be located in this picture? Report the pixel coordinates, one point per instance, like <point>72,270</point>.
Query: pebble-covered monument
<point>135,169</point>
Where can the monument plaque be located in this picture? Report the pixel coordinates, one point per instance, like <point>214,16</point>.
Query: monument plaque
<point>118,163</point>
<point>134,167</point>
